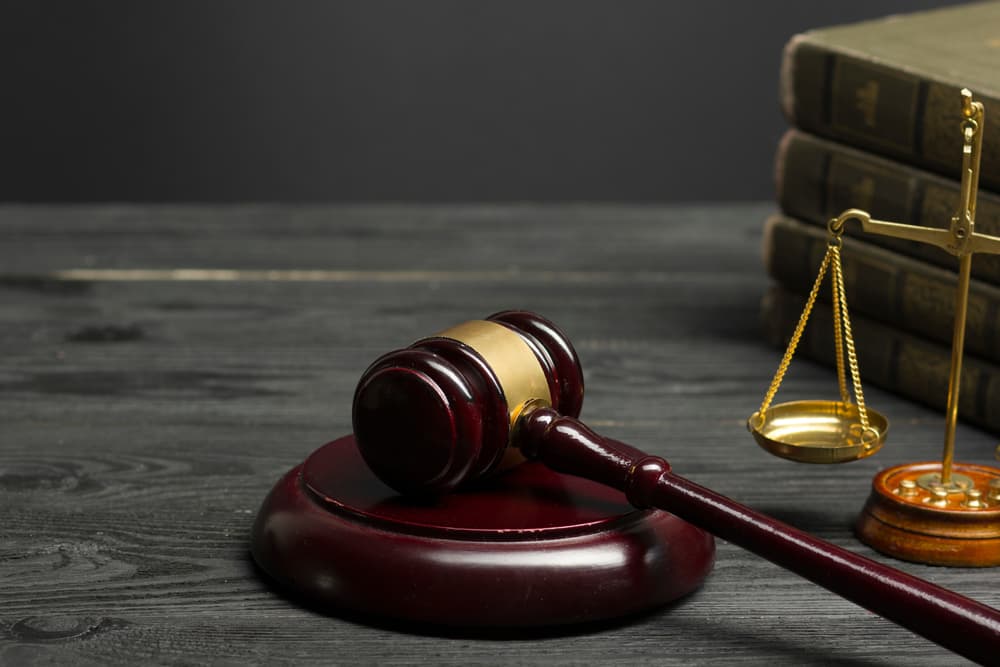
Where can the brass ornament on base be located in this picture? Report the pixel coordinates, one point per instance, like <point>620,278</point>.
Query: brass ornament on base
<point>942,513</point>
<point>910,516</point>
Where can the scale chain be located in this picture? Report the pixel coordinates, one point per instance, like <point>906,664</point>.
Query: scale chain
<point>843,339</point>
<point>838,310</point>
<point>852,357</point>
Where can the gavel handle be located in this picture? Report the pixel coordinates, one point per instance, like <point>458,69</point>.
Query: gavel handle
<point>954,621</point>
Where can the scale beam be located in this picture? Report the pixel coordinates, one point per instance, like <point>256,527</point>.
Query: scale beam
<point>942,238</point>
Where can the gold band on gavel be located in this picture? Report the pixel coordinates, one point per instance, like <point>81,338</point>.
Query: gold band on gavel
<point>514,363</point>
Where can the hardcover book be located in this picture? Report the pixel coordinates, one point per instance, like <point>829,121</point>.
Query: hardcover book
<point>891,86</point>
<point>818,179</point>
<point>905,293</point>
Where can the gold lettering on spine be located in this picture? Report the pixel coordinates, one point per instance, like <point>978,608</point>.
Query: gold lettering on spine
<point>866,98</point>
<point>863,191</point>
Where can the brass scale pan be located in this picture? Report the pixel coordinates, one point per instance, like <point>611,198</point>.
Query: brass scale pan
<point>822,431</point>
<point>818,431</point>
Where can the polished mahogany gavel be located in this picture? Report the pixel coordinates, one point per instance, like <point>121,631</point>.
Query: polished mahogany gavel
<point>469,400</point>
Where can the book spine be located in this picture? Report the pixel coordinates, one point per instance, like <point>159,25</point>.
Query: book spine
<point>889,358</point>
<point>819,179</point>
<point>905,293</point>
<point>882,108</point>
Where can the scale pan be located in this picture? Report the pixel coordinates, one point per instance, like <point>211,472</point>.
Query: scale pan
<point>817,431</point>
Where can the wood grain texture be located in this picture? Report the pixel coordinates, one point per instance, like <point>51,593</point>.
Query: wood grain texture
<point>142,423</point>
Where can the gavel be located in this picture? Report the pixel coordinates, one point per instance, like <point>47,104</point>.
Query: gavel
<point>472,399</point>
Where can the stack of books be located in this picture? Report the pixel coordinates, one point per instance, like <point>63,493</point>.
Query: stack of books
<point>876,111</point>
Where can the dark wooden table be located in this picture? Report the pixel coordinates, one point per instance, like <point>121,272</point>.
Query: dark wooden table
<point>146,410</point>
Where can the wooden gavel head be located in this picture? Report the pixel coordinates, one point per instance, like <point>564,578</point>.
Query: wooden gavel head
<point>441,412</point>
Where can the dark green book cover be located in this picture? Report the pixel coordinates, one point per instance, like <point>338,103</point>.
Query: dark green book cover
<point>892,85</point>
<point>908,294</point>
<point>818,179</point>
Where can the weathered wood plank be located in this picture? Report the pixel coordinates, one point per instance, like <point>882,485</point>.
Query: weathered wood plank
<point>131,468</point>
<point>514,238</point>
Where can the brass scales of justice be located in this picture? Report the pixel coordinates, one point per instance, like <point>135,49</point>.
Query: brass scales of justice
<point>944,513</point>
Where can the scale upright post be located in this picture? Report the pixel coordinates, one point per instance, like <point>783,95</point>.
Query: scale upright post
<point>944,513</point>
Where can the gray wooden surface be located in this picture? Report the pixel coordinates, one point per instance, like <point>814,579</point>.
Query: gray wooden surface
<point>142,421</point>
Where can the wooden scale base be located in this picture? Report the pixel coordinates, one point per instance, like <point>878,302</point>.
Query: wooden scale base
<point>910,515</point>
<point>528,548</point>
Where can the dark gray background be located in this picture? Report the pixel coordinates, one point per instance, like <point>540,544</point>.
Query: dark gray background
<point>431,100</point>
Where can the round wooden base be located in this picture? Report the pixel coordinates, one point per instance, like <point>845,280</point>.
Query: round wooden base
<point>910,516</point>
<point>531,547</point>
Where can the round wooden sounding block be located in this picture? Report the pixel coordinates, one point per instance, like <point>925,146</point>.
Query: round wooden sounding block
<point>527,548</point>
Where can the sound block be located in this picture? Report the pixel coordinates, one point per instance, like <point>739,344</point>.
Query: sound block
<point>528,548</point>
